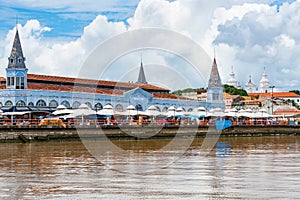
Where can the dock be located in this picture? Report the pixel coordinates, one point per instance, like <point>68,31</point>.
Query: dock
<point>44,134</point>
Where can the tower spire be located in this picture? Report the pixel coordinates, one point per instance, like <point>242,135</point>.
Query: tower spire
<point>214,80</point>
<point>16,58</point>
<point>215,88</point>
<point>16,71</point>
<point>142,77</point>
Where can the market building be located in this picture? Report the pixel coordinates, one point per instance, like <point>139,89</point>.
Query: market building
<point>20,88</point>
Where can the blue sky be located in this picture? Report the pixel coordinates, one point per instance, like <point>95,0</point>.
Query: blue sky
<point>247,34</point>
<point>65,20</point>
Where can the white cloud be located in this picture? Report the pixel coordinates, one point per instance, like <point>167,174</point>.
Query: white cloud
<point>262,37</point>
<point>59,58</point>
<point>285,41</point>
<point>248,35</point>
<point>286,71</point>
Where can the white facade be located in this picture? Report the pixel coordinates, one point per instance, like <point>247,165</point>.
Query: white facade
<point>264,84</point>
<point>250,87</point>
<point>233,81</point>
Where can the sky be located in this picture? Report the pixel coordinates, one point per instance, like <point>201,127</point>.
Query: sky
<point>248,36</point>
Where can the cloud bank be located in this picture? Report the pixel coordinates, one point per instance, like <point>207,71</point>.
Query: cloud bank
<point>246,35</point>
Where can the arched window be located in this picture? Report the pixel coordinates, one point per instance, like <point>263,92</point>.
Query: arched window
<point>20,103</point>
<point>53,104</point>
<point>98,106</point>
<point>76,104</point>
<point>183,109</point>
<point>119,108</point>
<point>165,109</point>
<point>41,103</point>
<point>30,104</point>
<point>190,109</point>
<point>139,107</point>
<point>89,105</point>
<point>1,105</point>
<point>8,103</point>
<point>157,108</point>
<point>65,103</point>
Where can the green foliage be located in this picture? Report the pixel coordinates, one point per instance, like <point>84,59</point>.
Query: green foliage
<point>179,92</point>
<point>234,91</point>
<point>296,91</point>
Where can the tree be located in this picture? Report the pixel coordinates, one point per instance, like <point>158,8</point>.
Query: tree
<point>234,91</point>
<point>296,91</point>
<point>179,92</point>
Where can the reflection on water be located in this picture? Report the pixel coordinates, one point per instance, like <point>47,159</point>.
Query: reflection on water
<point>256,168</point>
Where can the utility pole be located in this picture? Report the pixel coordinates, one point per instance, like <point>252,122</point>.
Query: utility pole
<point>272,87</point>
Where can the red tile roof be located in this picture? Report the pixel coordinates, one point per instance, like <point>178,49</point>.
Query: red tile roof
<point>275,94</point>
<point>65,88</point>
<point>37,86</point>
<point>255,101</point>
<point>38,77</point>
<point>50,87</point>
<point>287,111</point>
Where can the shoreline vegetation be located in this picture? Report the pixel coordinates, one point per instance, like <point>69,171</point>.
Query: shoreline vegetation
<point>27,134</point>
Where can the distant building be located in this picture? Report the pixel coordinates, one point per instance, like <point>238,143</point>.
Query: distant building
<point>230,100</point>
<point>286,96</point>
<point>198,94</point>
<point>250,87</point>
<point>190,95</point>
<point>254,104</point>
<point>277,100</point>
<point>286,111</point>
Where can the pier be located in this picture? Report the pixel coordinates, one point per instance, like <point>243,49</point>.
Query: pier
<point>44,134</point>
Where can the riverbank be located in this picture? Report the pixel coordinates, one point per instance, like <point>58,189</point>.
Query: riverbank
<point>44,134</point>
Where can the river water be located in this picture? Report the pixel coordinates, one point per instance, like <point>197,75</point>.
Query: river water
<point>236,168</point>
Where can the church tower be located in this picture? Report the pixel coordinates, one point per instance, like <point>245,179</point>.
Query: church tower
<point>142,77</point>
<point>264,84</point>
<point>215,88</point>
<point>16,71</point>
<point>233,81</point>
<point>250,87</point>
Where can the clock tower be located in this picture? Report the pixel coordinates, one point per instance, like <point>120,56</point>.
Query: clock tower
<point>16,71</point>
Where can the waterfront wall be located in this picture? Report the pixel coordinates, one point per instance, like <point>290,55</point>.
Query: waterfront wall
<point>38,134</point>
